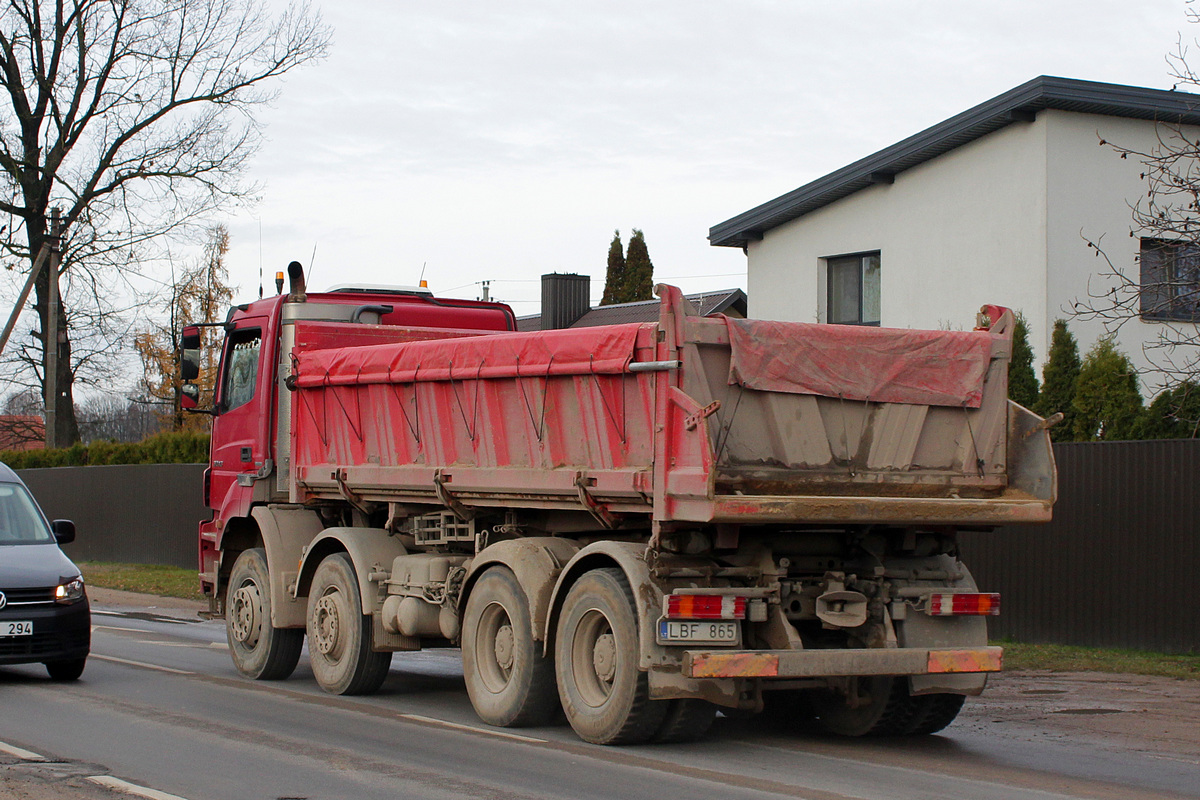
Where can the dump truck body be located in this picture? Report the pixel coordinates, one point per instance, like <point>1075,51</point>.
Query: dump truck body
<point>640,522</point>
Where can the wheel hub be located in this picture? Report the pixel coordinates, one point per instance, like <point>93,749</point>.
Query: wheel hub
<point>327,625</point>
<point>245,615</point>
<point>504,647</point>
<point>604,657</point>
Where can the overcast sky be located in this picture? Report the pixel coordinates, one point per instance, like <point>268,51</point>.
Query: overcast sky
<point>499,141</point>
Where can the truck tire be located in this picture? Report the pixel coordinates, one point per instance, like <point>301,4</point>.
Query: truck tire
<point>605,696</point>
<point>687,720</point>
<point>339,634</point>
<point>510,682</point>
<point>259,650</point>
<point>939,710</point>
<point>891,710</point>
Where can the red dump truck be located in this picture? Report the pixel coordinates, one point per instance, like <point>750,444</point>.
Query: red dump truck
<point>638,524</point>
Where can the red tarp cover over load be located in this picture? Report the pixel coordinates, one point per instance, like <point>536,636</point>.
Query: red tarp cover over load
<point>603,350</point>
<point>883,365</point>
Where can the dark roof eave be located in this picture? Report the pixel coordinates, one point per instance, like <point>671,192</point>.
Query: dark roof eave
<point>1015,105</point>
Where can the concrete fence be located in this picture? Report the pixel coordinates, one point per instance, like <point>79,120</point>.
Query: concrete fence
<point>1118,567</point>
<point>133,514</point>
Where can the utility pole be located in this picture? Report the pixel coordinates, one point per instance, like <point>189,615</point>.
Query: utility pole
<point>486,290</point>
<point>51,343</point>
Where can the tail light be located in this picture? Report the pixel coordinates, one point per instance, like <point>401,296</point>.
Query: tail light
<point>705,606</point>
<point>967,604</point>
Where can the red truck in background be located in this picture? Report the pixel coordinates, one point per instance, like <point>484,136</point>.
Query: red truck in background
<point>638,524</point>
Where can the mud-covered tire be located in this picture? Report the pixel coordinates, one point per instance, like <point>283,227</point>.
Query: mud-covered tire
<point>890,711</point>
<point>66,670</point>
<point>339,634</point>
<point>687,720</point>
<point>605,696</point>
<point>938,711</point>
<point>509,681</point>
<point>259,651</point>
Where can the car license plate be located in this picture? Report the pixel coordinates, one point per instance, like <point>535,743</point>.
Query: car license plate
<point>700,631</point>
<point>15,628</point>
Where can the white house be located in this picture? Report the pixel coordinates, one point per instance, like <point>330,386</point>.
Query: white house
<point>994,205</point>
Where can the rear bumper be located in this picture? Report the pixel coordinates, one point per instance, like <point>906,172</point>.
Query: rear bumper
<point>829,663</point>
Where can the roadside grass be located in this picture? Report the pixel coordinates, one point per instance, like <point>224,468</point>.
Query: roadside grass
<point>1068,658</point>
<point>155,579</point>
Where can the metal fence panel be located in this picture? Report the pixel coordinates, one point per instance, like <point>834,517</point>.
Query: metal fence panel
<point>134,514</point>
<point>1118,566</point>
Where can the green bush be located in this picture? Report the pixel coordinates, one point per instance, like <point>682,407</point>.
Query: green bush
<point>183,447</point>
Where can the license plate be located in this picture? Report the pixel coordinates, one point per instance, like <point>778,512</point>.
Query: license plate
<point>24,628</point>
<point>703,632</point>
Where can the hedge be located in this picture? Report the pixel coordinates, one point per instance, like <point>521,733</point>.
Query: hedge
<point>165,448</point>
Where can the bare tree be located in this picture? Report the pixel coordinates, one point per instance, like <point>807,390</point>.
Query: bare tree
<point>136,117</point>
<point>117,419</point>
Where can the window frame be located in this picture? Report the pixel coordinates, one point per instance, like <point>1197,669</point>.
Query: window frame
<point>838,261</point>
<point>1162,295</point>
<point>232,340</point>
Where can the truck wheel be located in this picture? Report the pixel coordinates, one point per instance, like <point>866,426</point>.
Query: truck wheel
<point>605,696</point>
<point>339,634</point>
<point>687,720</point>
<point>938,711</point>
<point>510,683</point>
<point>259,651</point>
<point>883,708</point>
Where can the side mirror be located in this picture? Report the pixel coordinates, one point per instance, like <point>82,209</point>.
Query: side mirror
<point>64,530</point>
<point>189,396</point>
<point>189,353</point>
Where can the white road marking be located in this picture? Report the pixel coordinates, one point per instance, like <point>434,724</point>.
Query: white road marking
<point>471,728</point>
<point>132,788</point>
<point>116,628</point>
<point>17,752</point>
<point>142,664</point>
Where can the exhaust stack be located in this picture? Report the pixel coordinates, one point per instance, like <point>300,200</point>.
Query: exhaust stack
<point>296,288</point>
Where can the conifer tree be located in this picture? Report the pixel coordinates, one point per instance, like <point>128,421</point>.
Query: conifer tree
<point>1022,382</point>
<point>639,271</point>
<point>1108,405</point>
<point>614,279</point>
<point>1059,375</point>
<point>1174,414</point>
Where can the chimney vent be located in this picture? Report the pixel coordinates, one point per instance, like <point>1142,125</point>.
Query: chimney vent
<point>565,298</point>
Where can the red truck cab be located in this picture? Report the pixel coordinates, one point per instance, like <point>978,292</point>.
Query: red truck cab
<point>248,462</point>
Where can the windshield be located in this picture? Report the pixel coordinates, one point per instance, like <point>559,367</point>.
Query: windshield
<point>20,520</point>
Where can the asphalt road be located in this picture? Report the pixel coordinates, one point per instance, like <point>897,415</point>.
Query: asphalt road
<point>161,708</point>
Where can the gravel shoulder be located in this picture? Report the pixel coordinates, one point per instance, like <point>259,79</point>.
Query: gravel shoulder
<point>1135,713</point>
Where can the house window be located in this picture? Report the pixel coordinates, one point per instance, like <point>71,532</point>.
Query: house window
<point>1170,280</point>
<point>853,283</point>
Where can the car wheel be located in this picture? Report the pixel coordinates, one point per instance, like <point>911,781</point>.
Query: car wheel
<point>67,670</point>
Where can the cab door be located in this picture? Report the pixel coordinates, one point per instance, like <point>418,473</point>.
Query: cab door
<point>240,435</point>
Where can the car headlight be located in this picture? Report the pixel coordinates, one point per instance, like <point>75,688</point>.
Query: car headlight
<point>69,592</point>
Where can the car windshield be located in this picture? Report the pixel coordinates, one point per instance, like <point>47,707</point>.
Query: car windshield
<point>20,520</point>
